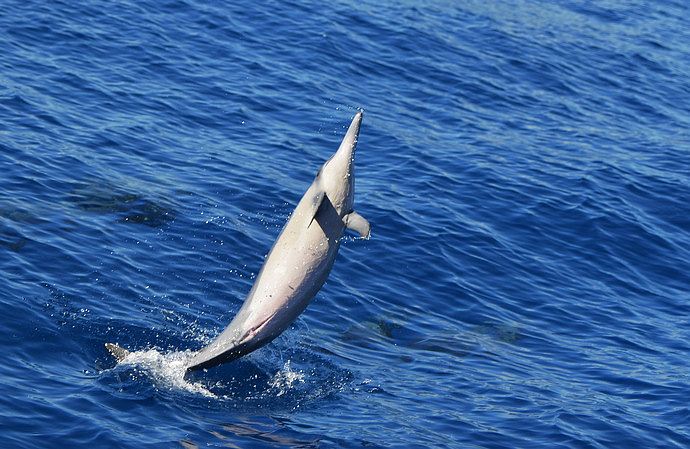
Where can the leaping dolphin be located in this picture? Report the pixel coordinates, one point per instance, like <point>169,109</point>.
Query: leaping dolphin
<point>299,262</point>
<point>297,265</point>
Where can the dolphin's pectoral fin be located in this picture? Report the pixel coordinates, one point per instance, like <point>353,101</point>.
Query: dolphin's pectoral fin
<point>357,223</point>
<point>316,205</point>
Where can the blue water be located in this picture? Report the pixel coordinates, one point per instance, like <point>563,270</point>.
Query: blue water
<point>524,166</point>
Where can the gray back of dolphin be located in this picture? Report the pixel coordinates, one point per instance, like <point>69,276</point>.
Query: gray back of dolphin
<point>299,262</point>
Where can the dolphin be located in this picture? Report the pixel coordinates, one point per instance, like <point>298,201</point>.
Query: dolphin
<point>299,262</point>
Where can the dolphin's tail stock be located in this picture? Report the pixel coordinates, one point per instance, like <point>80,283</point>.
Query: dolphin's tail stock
<point>118,352</point>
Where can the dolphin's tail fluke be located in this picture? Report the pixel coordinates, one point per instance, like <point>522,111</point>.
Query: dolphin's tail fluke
<point>118,352</point>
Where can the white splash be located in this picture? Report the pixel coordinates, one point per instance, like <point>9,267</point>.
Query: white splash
<point>285,379</point>
<point>166,370</point>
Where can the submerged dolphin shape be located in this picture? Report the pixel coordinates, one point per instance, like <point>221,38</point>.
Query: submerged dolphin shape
<point>299,262</point>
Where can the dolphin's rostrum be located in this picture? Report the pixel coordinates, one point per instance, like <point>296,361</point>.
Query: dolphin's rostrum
<point>299,262</point>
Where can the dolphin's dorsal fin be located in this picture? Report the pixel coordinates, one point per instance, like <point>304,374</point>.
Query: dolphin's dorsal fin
<point>117,351</point>
<point>316,204</point>
<point>357,223</point>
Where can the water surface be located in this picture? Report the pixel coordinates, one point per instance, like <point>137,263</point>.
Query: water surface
<point>524,166</point>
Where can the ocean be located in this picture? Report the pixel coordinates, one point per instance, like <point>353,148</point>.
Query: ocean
<point>523,164</point>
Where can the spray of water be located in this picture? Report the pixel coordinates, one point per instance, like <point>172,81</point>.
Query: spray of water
<point>166,370</point>
<point>285,379</point>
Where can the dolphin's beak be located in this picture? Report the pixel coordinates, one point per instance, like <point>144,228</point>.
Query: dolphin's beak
<point>349,142</point>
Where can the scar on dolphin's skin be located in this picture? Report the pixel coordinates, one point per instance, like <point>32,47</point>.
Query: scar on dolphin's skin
<point>299,261</point>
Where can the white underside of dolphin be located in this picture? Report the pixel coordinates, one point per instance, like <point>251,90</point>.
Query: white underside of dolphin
<point>299,262</point>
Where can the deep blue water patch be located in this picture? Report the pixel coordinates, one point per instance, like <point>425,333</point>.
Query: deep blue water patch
<point>524,166</point>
